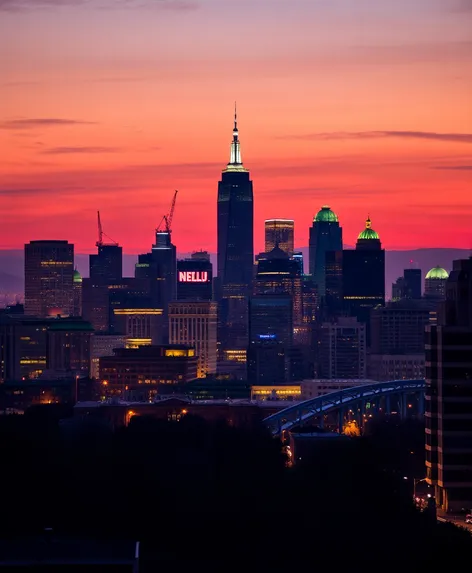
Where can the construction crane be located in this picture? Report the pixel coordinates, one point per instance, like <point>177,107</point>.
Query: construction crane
<point>166,220</point>
<point>101,234</point>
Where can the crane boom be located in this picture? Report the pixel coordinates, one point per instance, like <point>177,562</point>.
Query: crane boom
<point>167,219</point>
<point>101,234</point>
<point>170,216</point>
<point>100,231</point>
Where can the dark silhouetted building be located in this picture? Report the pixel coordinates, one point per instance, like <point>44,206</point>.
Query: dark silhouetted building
<point>342,351</point>
<point>194,279</point>
<point>49,273</point>
<point>106,267</point>
<point>325,235</point>
<point>397,340</point>
<point>449,394</point>
<point>279,274</point>
<point>69,345</point>
<point>194,324</point>
<point>407,286</point>
<point>30,345</point>
<point>235,258</point>
<point>137,373</point>
<point>363,276</point>
<point>266,362</point>
<point>160,266</point>
<point>279,233</point>
<point>435,283</point>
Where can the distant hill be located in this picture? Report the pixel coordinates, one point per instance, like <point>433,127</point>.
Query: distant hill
<point>12,265</point>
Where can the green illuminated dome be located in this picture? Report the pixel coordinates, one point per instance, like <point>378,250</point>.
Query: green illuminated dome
<point>77,276</point>
<point>437,273</point>
<point>368,233</point>
<point>325,215</point>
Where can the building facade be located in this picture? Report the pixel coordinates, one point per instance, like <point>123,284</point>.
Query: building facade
<point>49,274</point>
<point>194,279</point>
<point>137,373</point>
<point>235,243</point>
<point>280,233</point>
<point>194,324</point>
<point>103,345</point>
<point>342,352</point>
<point>448,412</point>
<point>325,235</point>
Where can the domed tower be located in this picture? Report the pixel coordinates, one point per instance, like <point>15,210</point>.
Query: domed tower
<point>364,276</point>
<point>325,235</point>
<point>77,292</point>
<point>435,283</point>
<point>368,239</point>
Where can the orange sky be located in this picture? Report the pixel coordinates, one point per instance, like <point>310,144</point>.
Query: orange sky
<point>113,104</point>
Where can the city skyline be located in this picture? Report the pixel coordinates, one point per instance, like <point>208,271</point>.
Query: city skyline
<point>347,107</point>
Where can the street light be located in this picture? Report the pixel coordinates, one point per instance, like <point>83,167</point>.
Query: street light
<point>415,483</point>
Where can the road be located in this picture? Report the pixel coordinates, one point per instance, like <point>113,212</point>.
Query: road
<point>456,519</point>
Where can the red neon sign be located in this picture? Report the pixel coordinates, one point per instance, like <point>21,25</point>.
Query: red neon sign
<point>193,276</point>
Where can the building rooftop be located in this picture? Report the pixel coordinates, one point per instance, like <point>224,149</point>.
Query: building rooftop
<point>325,215</point>
<point>368,233</point>
<point>437,273</point>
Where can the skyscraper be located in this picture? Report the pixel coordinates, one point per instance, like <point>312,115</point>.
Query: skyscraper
<point>279,233</point>
<point>235,223</point>
<point>363,276</point>
<point>195,278</point>
<point>235,256</point>
<point>49,272</point>
<point>325,235</point>
<point>342,349</point>
<point>448,412</point>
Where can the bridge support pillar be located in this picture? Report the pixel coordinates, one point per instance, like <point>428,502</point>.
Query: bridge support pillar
<point>403,406</point>
<point>388,405</point>
<point>321,416</point>
<point>361,414</point>
<point>340,420</point>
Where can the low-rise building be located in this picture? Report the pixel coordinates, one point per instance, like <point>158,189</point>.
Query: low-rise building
<point>137,373</point>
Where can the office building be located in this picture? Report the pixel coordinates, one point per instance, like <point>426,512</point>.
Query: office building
<point>271,318</point>
<point>279,233</point>
<point>298,257</point>
<point>194,324</point>
<point>266,362</point>
<point>106,267</point>
<point>449,394</point>
<point>103,345</point>
<point>23,347</point>
<point>435,283</point>
<point>235,220</point>
<point>279,274</point>
<point>194,279</point>
<point>140,326</point>
<point>363,276</point>
<point>397,340</point>
<point>29,346</point>
<point>325,235</point>
<point>342,352</point>
<point>137,373</point>
<point>49,273</point>
<point>69,345</point>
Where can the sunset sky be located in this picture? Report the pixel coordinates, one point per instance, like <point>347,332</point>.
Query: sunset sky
<point>112,104</point>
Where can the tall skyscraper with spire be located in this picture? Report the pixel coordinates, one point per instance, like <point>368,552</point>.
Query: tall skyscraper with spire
<point>235,255</point>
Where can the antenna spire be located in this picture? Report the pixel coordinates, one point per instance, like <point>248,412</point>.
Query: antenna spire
<point>235,162</point>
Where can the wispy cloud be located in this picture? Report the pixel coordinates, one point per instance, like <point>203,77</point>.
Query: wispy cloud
<point>33,123</point>
<point>343,135</point>
<point>82,149</point>
<point>453,167</point>
<point>22,5</point>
